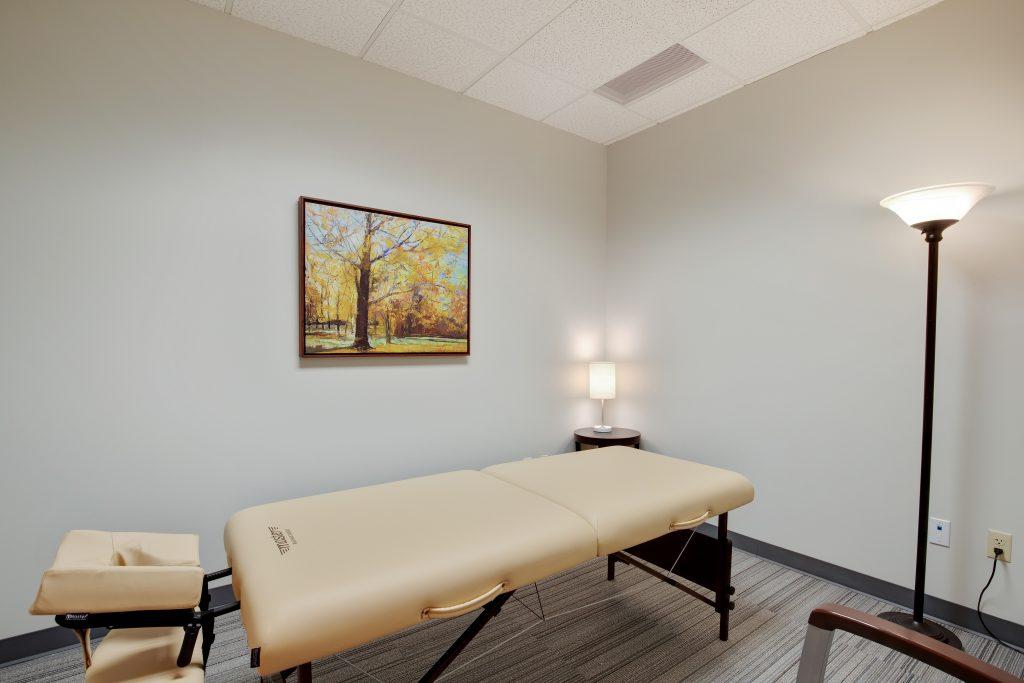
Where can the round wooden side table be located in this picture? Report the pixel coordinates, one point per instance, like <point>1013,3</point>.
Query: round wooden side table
<point>619,436</point>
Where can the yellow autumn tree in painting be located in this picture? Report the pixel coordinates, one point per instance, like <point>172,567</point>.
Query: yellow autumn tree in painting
<point>378,283</point>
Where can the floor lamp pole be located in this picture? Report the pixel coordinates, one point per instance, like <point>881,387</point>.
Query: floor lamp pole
<point>926,426</point>
<point>916,621</point>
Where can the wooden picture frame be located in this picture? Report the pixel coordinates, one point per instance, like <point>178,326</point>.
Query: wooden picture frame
<point>379,283</point>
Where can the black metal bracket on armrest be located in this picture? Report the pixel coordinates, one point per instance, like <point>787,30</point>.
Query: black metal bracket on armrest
<point>206,619</point>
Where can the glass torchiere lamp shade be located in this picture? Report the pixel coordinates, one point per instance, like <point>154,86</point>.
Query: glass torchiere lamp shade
<point>602,386</point>
<point>938,207</point>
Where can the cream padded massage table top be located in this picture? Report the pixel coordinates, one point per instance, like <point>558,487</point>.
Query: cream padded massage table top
<point>322,574</point>
<point>628,496</point>
<point>366,562</point>
<point>100,571</point>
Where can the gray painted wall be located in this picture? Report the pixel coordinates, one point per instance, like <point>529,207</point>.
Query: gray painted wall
<point>768,316</point>
<point>151,158</point>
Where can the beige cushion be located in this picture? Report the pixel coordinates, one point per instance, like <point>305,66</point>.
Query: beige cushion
<point>100,571</point>
<point>627,495</point>
<point>144,654</point>
<point>322,574</point>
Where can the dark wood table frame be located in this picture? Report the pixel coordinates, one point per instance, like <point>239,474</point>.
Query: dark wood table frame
<point>619,436</point>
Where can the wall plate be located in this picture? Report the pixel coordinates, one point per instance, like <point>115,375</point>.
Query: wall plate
<point>938,531</point>
<point>999,539</point>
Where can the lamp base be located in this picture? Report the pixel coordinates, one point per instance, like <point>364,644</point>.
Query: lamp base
<point>925,628</point>
<point>602,429</point>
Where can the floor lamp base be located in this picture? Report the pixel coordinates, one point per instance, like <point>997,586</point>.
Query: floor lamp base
<point>925,628</point>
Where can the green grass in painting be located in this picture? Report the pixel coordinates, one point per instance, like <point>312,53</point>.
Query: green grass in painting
<point>328,344</point>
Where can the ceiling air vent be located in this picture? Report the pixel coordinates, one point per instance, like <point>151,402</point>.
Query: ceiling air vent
<point>659,70</point>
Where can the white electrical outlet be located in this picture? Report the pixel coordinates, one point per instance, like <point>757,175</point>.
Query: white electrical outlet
<point>938,531</point>
<point>999,539</point>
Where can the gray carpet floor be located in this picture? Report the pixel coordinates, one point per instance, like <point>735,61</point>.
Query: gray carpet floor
<point>635,628</point>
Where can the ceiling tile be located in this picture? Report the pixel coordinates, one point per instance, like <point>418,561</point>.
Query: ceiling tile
<point>768,35</point>
<point>595,118</point>
<point>592,42</point>
<point>344,26</point>
<point>422,50</point>
<point>524,90</point>
<point>682,18</point>
<point>500,24</point>
<point>878,13</point>
<point>691,90</point>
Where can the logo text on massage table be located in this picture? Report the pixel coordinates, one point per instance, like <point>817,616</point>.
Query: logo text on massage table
<point>284,539</point>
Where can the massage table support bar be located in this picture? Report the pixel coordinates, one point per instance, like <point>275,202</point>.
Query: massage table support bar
<point>489,611</point>
<point>707,562</point>
<point>626,559</point>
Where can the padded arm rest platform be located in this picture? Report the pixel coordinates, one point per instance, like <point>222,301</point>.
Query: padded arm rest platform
<point>627,495</point>
<point>322,574</point>
<point>100,571</point>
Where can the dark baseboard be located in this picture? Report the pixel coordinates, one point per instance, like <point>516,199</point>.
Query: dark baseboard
<point>945,610</point>
<point>53,638</point>
<point>38,642</point>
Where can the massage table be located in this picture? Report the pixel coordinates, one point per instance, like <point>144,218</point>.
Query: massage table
<point>318,575</point>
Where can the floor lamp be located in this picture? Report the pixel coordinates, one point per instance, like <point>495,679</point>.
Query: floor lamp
<point>930,210</point>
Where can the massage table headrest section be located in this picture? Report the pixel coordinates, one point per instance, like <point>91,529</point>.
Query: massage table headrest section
<point>629,496</point>
<point>322,574</point>
<point>102,571</point>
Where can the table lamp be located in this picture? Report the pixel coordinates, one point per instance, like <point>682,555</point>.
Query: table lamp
<point>930,210</point>
<point>602,386</point>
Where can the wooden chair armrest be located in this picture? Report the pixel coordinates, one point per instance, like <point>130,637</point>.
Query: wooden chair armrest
<point>832,617</point>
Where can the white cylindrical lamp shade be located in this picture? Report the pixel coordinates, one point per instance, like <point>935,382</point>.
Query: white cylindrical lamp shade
<point>602,380</point>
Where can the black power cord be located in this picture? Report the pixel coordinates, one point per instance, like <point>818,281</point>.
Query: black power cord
<point>995,561</point>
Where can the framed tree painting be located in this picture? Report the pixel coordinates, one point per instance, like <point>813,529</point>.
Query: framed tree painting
<point>378,283</point>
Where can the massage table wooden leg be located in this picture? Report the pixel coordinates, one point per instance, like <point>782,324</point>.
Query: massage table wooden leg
<point>305,672</point>
<point>723,590</point>
<point>611,567</point>
<point>490,610</point>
